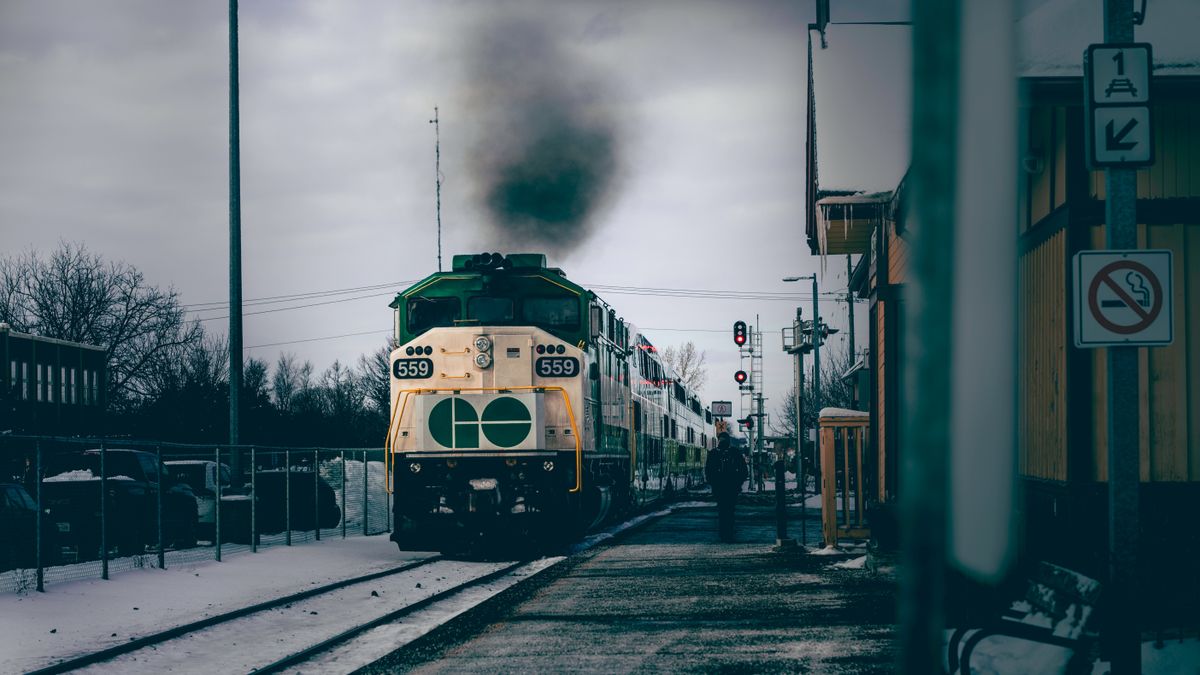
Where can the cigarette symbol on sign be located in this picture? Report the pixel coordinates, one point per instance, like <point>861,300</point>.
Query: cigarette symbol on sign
<point>1134,294</point>
<point>1137,287</point>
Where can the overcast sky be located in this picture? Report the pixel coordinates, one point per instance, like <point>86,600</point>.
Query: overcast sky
<point>113,124</point>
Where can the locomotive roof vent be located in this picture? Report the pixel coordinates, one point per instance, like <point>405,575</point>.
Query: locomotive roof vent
<point>497,261</point>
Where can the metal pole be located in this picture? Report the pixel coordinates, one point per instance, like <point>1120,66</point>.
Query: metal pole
<point>925,418</point>
<point>287,496</point>
<point>41,585</point>
<point>103,513</point>
<point>762,420</point>
<point>235,235</point>
<point>253,500</point>
<point>343,494</point>
<point>217,507</point>
<point>437,134</point>
<point>158,510</point>
<point>1123,639</point>
<point>850,309</point>
<point>801,473</point>
<point>816,384</point>
<point>781,538</point>
<point>316,495</point>
<point>366,495</point>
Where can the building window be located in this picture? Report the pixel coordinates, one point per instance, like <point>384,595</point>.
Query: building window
<point>95,388</point>
<point>41,391</point>
<point>74,389</point>
<point>12,378</point>
<point>49,384</point>
<point>62,384</point>
<point>25,380</point>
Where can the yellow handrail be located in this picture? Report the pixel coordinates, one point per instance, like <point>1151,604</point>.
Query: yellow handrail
<point>394,428</point>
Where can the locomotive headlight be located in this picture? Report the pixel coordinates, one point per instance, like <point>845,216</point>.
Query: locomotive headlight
<point>483,359</point>
<point>482,343</point>
<point>414,467</point>
<point>547,466</point>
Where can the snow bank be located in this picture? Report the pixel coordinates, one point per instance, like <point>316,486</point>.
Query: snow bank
<point>852,564</point>
<point>79,475</point>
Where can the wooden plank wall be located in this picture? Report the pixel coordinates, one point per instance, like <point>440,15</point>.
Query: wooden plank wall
<point>898,255</point>
<point>1176,173</point>
<point>1042,411</point>
<point>1169,443</point>
<point>1044,190</point>
<point>881,412</point>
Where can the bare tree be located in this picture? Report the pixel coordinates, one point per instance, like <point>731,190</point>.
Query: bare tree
<point>374,377</point>
<point>835,393</point>
<point>285,382</point>
<point>688,364</point>
<point>75,295</point>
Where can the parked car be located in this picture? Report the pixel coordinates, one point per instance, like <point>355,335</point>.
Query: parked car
<point>203,477</point>
<point>18,525</point>
<point>308,502</point>
<point>71,495</point>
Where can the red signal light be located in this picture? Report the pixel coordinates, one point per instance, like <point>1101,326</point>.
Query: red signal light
<point>740,377</point>
<point>739,333</point>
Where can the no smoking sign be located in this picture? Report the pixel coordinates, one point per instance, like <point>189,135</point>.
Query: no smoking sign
<point>1123,298</point>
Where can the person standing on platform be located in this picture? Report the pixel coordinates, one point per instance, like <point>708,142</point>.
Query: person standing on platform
<point>725,471</point>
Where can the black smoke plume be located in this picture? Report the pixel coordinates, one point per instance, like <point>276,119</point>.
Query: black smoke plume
<point>548,156</point>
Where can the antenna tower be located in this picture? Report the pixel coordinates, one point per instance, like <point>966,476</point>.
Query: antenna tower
<point>437,135</point>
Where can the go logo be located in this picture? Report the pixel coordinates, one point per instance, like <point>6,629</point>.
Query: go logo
<point>454,423</point>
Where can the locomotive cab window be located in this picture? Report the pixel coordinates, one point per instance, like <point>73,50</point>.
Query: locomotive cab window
<point>489,310</point>
<point>426,313</point>
<point>560,313</point>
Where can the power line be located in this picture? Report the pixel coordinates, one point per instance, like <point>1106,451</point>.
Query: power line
<point>272,299</point>
<point>311,304</point>
<point>319,339</point>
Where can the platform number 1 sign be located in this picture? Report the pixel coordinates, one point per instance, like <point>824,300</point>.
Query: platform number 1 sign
<point>1118,105</point>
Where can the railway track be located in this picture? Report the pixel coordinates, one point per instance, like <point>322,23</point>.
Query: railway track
<point>280,633</point>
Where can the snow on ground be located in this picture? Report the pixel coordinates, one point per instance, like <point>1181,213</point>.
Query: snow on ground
<point>78,617</point>
<point>378,642</point>
<point>1003,655</point>
<point>852,564</point>
<point>829,550</point>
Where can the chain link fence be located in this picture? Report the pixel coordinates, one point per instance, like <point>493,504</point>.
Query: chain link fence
<point>87,508</point>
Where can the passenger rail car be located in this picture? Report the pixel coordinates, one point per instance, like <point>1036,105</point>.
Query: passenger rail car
<point>522,402</point>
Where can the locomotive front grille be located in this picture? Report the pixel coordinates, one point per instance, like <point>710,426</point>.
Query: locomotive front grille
<point>472,423</point>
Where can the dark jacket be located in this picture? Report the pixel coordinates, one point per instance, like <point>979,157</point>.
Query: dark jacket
<point>725,470</point>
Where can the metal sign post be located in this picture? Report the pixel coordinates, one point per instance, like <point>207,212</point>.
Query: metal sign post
<point>1122,635</point>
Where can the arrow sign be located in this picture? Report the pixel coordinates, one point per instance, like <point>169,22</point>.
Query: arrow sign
<point>1114,141</point>
<point>1119,127</point>
<point>1121,136</point>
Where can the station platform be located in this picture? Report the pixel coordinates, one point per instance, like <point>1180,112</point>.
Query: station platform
<point>670,597</point>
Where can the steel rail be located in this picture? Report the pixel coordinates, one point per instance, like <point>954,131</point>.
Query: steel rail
<point>172,633</point>
<point>329,643</point>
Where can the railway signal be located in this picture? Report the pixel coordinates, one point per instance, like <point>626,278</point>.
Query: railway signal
<point>740,377</point>
<point>739,334</point>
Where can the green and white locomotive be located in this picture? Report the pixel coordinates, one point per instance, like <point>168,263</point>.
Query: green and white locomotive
<point>521,402</point>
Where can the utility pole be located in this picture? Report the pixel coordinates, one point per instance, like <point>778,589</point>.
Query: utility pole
<point>816,346</point>
<point>850,310</point>
<point>816,385</point>
<point>437,153</point>
<point>235,242</point>
<point>794,344</point>
<point>1124,641</point>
